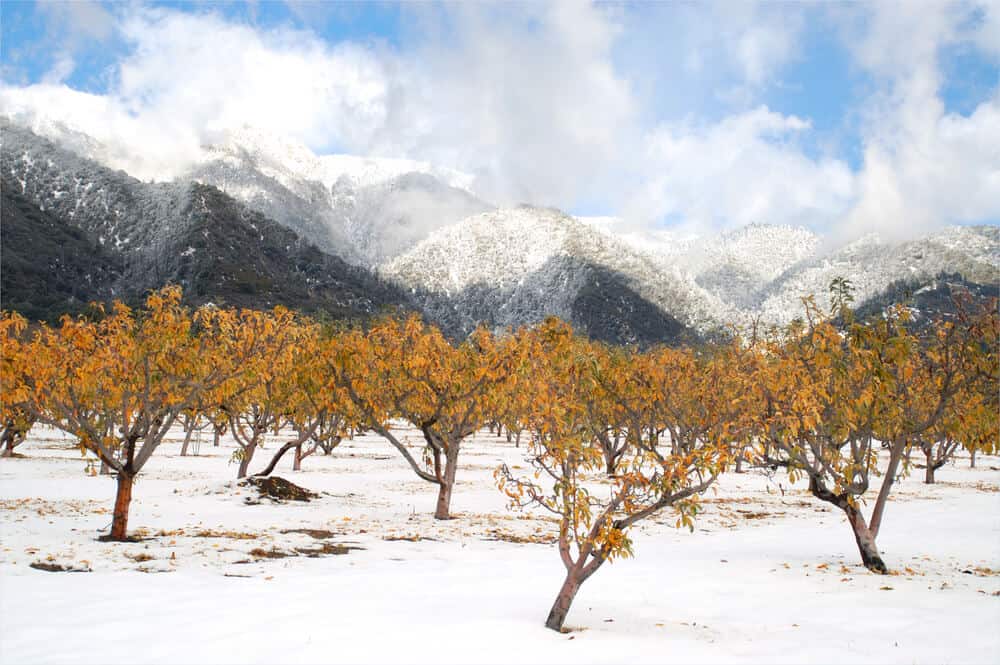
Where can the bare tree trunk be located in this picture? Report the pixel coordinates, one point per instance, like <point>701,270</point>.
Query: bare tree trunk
<point>274,460</point>
<point>12,438</point>
<point>560,608</point>
<point>972,459</point>
<point>105,469</point>
<point>863,534</point>
<point>610,462</point>
<point>188,431</point>
<point>442,512</point>
<point>8,442</point>
<point>123,498</point>
<point>870,555</point>
<point>215,437</point>
<point>297,460</point>
<point>929,471</point>
<point>245,459</point>
<point>895,456</point>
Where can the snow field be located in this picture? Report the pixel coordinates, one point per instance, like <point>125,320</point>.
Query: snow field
<point>768,575</point>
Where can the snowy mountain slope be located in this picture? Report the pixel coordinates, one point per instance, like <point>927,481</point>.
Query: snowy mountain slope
<point>466,262</point>
<point>765,270</point>
<point>49,267</point>
<point>737,265</point>
<point>362,209</point>
<point>116,209</point>
<point>734,265</point>
<point>387,219</point>
<point>515,266</point>
<point>873,265</point>
<point>186,233</point>
<point>280,157</point>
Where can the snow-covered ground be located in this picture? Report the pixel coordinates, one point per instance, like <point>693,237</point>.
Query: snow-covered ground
<point>769,575</point>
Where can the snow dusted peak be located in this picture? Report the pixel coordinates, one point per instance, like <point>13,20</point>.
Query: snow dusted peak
<point>495,248</point>
<point>980,242</point>
<point>667,245</point>
<point>763,250</point>
<point>369,171</point>
<point>264,149</point>
<point>522,263</point>
<point>284,157</point>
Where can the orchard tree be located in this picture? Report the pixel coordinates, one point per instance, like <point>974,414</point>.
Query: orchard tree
<point>319,414</point>
<point>558,370</point>
<point>121,382</point>
<point>16,413</point>
<point>256,399</point>
<point>407,369</point>
<point>971,420</point>
<point>830,399</point>
<point>191,421</point>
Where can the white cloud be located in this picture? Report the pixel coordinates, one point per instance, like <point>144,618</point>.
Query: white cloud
<point>526,98</point>
<point>746,168</point>
<point>191,76</point>
<point>923,166</point>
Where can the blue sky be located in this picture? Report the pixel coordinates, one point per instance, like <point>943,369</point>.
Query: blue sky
<point>697,114</point>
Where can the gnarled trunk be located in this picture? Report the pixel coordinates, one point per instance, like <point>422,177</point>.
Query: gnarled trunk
<point>929,471</point>
<point>188,431</point>
<point>12,438</point>
<point>870,556</point>
<point>443,509</point>
<point>245,460</point>
<point>297,461</point>
<point>123,498</point>
<point>560,608</point>
<point>277,457</point>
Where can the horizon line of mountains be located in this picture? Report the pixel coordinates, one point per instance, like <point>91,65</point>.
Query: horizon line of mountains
<point>260,221</point>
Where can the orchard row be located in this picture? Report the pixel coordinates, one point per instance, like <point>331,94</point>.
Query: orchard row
<point>820,400</point>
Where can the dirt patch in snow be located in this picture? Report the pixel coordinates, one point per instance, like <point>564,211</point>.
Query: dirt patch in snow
<point>232,535</point>
<point>326,549</point>
<point>279,489</point>
<point>318,534</point>
<point>57,568</point>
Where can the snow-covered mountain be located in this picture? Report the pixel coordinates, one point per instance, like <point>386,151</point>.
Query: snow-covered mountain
<point>764,271</point>
<point>873,265</point>
<point>463,261</point>
<point>365,210</point>
<point>145,235</point>
<point>514,266</point>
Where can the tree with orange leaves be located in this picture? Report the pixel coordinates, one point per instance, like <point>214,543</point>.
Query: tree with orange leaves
<point>16,413</point>
<point>120,383</point>
<point>832,398</point>
<point>316,411</point>
<point>406,369</point>
<point>256,399</point>
<point>562,373</point>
